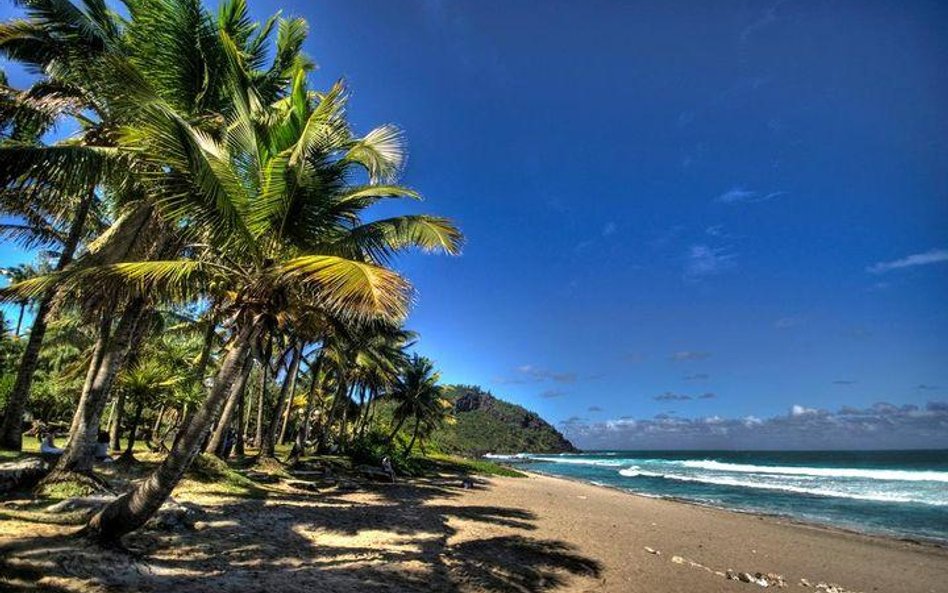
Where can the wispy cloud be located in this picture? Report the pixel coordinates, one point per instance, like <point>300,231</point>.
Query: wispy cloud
<point>668,396</point>
<point>768,17</point>
<point>609,229</point>
<point>739,195</point>
<point>787,322</point>
<point>924,387</point>
<point>530,374</point>
<point>707,395</point>
<point>933,256</point>
<point>551,393</point>
<point>697,377</point>
<point>844,382</point>
<point>594,409</point>
<point>702,260</point>
<point>684,355</point>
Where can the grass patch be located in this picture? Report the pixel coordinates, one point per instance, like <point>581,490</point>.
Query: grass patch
<point>480,467</point>
<point>66,489</point>
<point>207,469</point>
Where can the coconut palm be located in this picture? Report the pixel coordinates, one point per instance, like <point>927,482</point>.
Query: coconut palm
<point>184,52</point>
<point>418,398</point>
<point>282,228</point>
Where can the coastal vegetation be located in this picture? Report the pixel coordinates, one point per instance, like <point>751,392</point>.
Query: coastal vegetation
<point>211,277</point>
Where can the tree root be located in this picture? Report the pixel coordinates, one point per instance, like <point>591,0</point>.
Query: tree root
<point>88,480</point>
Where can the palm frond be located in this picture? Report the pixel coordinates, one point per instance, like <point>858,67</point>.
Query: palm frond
<point>381,152</point>
<point>350,288</point>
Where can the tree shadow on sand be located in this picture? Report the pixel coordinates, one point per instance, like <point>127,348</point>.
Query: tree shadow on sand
<point>304,542</point>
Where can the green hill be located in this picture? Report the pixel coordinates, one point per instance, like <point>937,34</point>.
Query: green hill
<point>485,424</point>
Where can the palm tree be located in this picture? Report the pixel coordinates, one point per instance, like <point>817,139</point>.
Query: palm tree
<point>144,383</point>
<point>282,227</point>
<point>182,51</point>
<point>418,398</point>
<point>18,274</point>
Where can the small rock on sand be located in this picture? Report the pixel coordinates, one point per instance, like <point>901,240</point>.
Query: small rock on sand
<point>652,551</point>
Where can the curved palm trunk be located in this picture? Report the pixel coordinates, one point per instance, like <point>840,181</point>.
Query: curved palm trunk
<point>134,508</point>
<point>215,444</point>
<point>11,431</point>
<point>198,375</point>
<point>268,446</point>
<point>414,435</point>
<point>78,456</point>
<point>398,427</point>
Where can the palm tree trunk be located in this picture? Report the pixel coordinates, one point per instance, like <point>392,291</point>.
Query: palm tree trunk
<point>11,431</point>
<point>414,435</point>
<point>131,358</point>
<point>95,361</point>
<point>214,445</point>
<point>268,446</point>
<point>78,456</point>
<point>398,427</point>
<point>134,508</point>
<point>289,406</point>
<point>241,412</point>
<point>156,431</point>
<point>115,424</point>
<point>129,455</point>
<point>261,401</point>
<point>19,319</point>
<point>198,376</point>
<point>303,435</point>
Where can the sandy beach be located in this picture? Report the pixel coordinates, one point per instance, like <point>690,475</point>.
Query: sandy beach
<point>507,534</point>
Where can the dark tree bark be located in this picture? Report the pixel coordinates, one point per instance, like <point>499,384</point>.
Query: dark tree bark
<point>268,446</point>
<point>80,451</point>
<point>215,444</point>
<point>11,430</point>
<point>115,426</point>
<point>129,455</point>
<point>261,401</point>
<point>19,319</point>
<point>414,435</point>
<point>134,508</point>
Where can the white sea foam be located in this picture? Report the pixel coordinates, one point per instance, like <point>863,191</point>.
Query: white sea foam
<point>581,461</point>
<point>873,495</point>
<point>831,472</point>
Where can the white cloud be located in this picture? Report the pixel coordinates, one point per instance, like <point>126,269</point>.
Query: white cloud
<point>703,260</point>
<point>798,410</point>
<point>739,195</point>
<point>933,256</point>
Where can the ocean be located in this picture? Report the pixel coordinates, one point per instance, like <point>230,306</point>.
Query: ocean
<point>897,493</point>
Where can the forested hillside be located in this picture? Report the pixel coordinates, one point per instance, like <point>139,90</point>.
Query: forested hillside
<point>485,424</point>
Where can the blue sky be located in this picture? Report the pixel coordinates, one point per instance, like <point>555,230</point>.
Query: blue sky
<point>687,210</point>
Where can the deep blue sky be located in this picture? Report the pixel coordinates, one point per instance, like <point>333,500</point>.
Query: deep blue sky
<point>670,199</point>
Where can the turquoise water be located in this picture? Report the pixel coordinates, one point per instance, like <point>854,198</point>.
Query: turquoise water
<point>902,493</point>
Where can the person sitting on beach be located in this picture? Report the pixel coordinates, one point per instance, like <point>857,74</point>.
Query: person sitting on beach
<point>48,445</point>
<point>102,448</point>
<point>387,468</point>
